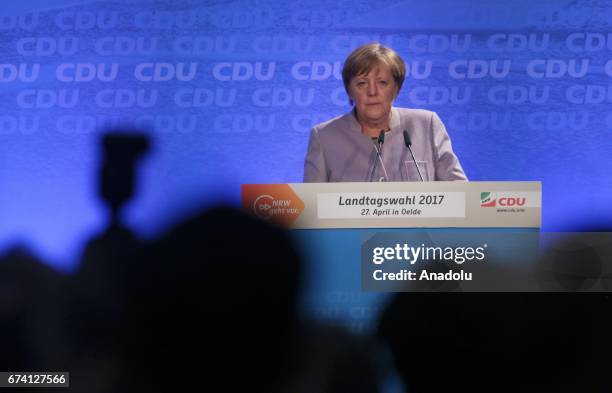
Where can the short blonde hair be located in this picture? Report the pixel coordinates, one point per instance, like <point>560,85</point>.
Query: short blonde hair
<point>363,59</point>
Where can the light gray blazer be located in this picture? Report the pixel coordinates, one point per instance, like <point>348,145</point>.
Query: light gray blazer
<point>339,152</point>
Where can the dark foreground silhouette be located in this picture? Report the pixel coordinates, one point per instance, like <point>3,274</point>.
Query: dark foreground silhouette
<point>212,305</point>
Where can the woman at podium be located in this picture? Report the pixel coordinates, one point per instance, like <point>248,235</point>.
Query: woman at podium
<point>376,141</point>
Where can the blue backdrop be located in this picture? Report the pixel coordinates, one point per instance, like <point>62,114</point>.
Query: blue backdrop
<point>230,89</point>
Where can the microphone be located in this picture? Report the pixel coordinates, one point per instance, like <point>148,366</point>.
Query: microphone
<point>380,141</point>
<point>381,138</point>
<point>408,144</point>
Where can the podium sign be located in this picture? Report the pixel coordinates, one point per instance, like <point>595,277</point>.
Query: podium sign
<point>397,204</point>
<point>342,229</point>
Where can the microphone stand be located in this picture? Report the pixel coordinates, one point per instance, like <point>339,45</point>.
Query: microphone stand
<point>378,148</point>
<point>408,144</point>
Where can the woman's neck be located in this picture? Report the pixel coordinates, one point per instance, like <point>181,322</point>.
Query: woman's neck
<point>372,129</point>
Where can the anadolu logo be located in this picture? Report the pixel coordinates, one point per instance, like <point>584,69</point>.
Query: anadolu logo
<point>488,199</point>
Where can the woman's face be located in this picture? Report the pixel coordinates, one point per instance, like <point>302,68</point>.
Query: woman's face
<point>373,94</point>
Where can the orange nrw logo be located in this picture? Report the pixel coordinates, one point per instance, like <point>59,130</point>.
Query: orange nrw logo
<point>274,202</point>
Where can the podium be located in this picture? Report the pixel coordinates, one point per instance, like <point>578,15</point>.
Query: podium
<point>331,222</point>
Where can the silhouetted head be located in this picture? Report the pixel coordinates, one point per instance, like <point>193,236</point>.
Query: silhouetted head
<point>31,300</point>
<point>501,342</point>
<point>220,301</point>
<point>122,149</point>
